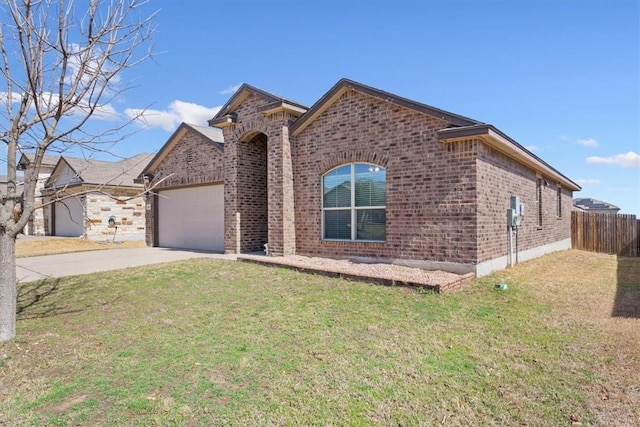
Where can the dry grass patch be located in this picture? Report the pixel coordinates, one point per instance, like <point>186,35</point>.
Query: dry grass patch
<point>598,294</point>
<point>206,342</point>
<point>51,246</point>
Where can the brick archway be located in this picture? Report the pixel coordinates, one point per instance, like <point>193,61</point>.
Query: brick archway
<point>252,191</point>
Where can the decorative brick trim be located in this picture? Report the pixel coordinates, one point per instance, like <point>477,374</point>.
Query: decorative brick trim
<point>351,156</point>
<point>245,131</point>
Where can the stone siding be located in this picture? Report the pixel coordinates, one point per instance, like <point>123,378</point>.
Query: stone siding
<point>129,215</point>
<point>38,224</point>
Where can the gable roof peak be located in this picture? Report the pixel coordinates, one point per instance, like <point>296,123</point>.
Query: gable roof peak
<point>346,84</point>
<point>244,91</point>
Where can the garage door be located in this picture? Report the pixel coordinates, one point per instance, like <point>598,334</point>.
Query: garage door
<point>192,218</point>
<point>69,217</point>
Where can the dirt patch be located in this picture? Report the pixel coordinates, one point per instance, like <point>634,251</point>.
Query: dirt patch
<point>28,247</point>
<point>67,404</point>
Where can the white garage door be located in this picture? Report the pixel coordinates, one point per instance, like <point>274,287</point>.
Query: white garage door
<point>69,218</point>
<point>192,218</point>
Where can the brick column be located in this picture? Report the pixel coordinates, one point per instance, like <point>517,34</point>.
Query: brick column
<point>281,203</point>
<point>231,214</point>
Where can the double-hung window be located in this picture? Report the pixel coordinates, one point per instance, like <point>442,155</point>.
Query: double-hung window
<point>354,203</point>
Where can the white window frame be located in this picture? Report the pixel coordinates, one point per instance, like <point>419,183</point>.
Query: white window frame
<point>353,208</point>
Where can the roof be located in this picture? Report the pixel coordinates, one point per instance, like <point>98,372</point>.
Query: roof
<point>47,160</point>
<point>274,103</point>
<point>587,204</point>
<point>345,84</point>
<point>213,135</point>
<point>461,127</point>
<point>503,143</point>
<point>101,172</point>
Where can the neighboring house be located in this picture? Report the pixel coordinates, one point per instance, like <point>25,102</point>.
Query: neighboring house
<point>37,225</point>
<point>4,180</point>
<point>361,174</point>
<point>96,199</point>
<point>4,183</point>
<point>594,206</point>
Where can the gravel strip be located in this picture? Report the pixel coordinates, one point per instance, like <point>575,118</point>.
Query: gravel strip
<point>430,278</point>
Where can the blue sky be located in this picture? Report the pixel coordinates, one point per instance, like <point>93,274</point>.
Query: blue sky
<point>560,77</point>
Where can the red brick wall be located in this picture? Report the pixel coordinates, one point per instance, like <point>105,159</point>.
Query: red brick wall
<point>431,189</point>
<point>252,193</point>
<point>244,232</point>
<point>500,177</point>
<point>206,166</point>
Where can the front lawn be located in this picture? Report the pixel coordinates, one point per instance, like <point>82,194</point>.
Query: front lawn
<point>206,342</point>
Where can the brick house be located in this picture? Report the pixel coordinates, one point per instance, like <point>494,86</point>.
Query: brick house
<point>361,174</point>
<point>94,199</point>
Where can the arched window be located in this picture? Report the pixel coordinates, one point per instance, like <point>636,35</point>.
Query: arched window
<point>354,203</point>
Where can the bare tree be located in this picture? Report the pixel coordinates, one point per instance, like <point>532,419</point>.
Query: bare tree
<point>63,64</point>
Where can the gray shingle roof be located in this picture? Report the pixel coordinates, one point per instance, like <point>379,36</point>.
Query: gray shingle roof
<point>213,134</point>
<point>47,159</point>
<point>100,172</point>
<point>588,203</point>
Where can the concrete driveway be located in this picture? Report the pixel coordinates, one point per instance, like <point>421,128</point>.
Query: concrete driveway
<point>61,265</point>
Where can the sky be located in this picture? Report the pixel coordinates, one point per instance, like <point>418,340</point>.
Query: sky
<point>560,77</point>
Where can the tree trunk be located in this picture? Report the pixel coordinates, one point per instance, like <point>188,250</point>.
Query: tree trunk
<point>8,292</point>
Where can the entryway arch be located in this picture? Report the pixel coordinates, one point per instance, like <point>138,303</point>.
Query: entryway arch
<point>252,191</point>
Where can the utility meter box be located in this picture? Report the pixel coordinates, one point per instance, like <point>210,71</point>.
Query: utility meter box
<point>513,219</point>
<point>521,209</point>
<point>515,203</point>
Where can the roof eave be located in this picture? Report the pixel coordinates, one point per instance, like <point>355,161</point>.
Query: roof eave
<point>224,121</point>
<point>345,84</point>
<point>501,142</point>
<point>282,106</point>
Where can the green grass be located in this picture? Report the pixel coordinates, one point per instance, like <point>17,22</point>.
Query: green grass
<point>218,343</point>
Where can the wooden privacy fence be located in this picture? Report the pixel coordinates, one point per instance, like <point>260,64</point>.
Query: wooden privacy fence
<point>608,233</point>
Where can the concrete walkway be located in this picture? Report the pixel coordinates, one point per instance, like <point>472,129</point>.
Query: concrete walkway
<point>61,265</point>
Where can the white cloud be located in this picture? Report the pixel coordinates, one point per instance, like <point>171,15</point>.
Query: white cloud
<point>177,112</point>
<point>619,189</point>
<point>48,101</point>
<point>4,96</point>
<point>230,90</point>
<point>585,142</point>
<point>532,148</point>
<point>588,142</point>
<point>626,160</point>
<point>587,182</point>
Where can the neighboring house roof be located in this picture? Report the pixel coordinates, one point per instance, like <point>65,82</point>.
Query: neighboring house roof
<point>214,135</point>
<point>589,204</point>
<point>27,158</point>
<point>99,172</point>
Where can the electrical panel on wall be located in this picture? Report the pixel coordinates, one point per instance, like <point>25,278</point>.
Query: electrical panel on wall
<point>513,219</point>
